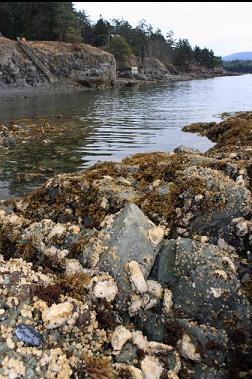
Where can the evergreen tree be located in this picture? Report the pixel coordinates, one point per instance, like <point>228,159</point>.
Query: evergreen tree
<point>6,19</point>
<point>102,31</point>
<point>86,29</point>
<point>59,21</point>
<point>66,26</point>
<point>183,54</point>
<point>121,50</point>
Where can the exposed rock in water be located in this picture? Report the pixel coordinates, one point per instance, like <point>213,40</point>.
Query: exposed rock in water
<point>138,269</point>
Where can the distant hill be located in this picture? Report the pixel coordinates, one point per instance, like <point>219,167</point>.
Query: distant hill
<point>245,56</point>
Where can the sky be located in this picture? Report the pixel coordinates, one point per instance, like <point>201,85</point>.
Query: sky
<point>225,27</point>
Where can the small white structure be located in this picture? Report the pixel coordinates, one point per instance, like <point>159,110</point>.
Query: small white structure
<point>134,70</point>
<point>128,72</point>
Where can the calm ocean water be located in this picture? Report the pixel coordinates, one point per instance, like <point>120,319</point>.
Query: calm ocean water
<point>112,124</point>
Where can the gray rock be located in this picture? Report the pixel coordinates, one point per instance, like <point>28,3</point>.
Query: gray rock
<point>229,201</point>
<point>185,149</point>
<point>212,341</point>
<point>205,283</point>
<point>152,325</point>
<point>163,270</point>
<point>128,353</point>
<point>9,141</point>
<point>204,372</point>
<point>133,237</point>
<point>29,335</point>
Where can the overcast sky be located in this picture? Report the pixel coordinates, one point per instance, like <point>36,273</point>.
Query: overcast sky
<point>224,27</point>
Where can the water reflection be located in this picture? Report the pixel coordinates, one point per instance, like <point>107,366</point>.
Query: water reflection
<point>112,124</point>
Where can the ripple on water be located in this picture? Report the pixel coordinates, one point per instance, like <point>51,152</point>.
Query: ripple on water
<point>111,124</point>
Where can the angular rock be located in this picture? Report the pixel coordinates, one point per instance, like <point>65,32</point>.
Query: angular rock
<point>229,200</point>
<point>163,269</point>
<point>133,237</point>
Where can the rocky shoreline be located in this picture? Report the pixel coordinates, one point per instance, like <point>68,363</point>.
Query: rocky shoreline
<point>63,87</point>
<point>139,269</point>
<point>35,67</point>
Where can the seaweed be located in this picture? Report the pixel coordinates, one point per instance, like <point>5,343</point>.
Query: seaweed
<point>73,285</point>
<point>106,316</point>
<point>96,368</point>
<point>50,294</point>
<point>174,332</point>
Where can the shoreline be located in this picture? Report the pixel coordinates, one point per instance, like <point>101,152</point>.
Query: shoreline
<point>133,266</point>
<point>64,87</point>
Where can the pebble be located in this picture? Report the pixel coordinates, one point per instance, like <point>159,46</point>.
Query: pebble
<point>105,288</point>
<point>167,300</point>
<point>155,288</point>
<point>151,368</point>
<point>57,315</point>
<point>136,304</point>
<point>187,349</point>
<point>232,155</point>
<point>140,341</point>
<point>158,347</point>
<point>29,335</point>
<point>137,278</point>
<point>172,375</point>
<point>202,239</point>
<point>119,338</point>
<point>135,372</point>
<point>73,266</point>
<point>242,228</point>
<point>156,235</point>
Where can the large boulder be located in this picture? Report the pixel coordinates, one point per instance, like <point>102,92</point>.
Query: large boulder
<point>203,279</point>
<point>130,237</point>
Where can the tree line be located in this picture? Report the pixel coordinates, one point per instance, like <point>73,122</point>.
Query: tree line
<point>59,21</point>
<point>243,66</point>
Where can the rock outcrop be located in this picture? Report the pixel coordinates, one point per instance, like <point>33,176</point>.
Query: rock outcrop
<point>83,64</point>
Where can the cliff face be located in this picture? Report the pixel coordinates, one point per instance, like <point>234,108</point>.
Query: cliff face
<point>81,63</point>
<point>16,69</point>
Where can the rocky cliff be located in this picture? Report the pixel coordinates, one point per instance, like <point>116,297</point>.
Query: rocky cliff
<point>75,63</point>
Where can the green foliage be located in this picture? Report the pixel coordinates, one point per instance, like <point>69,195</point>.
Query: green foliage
<point>206,57</point>
<point>121,50</point>
<point>102,32</point>
<point>60,21</point>
<point>6,19</point>
<point>86,29</point>
<point>244,67</point>
<point>40,21</point>
<point>183,53</point>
